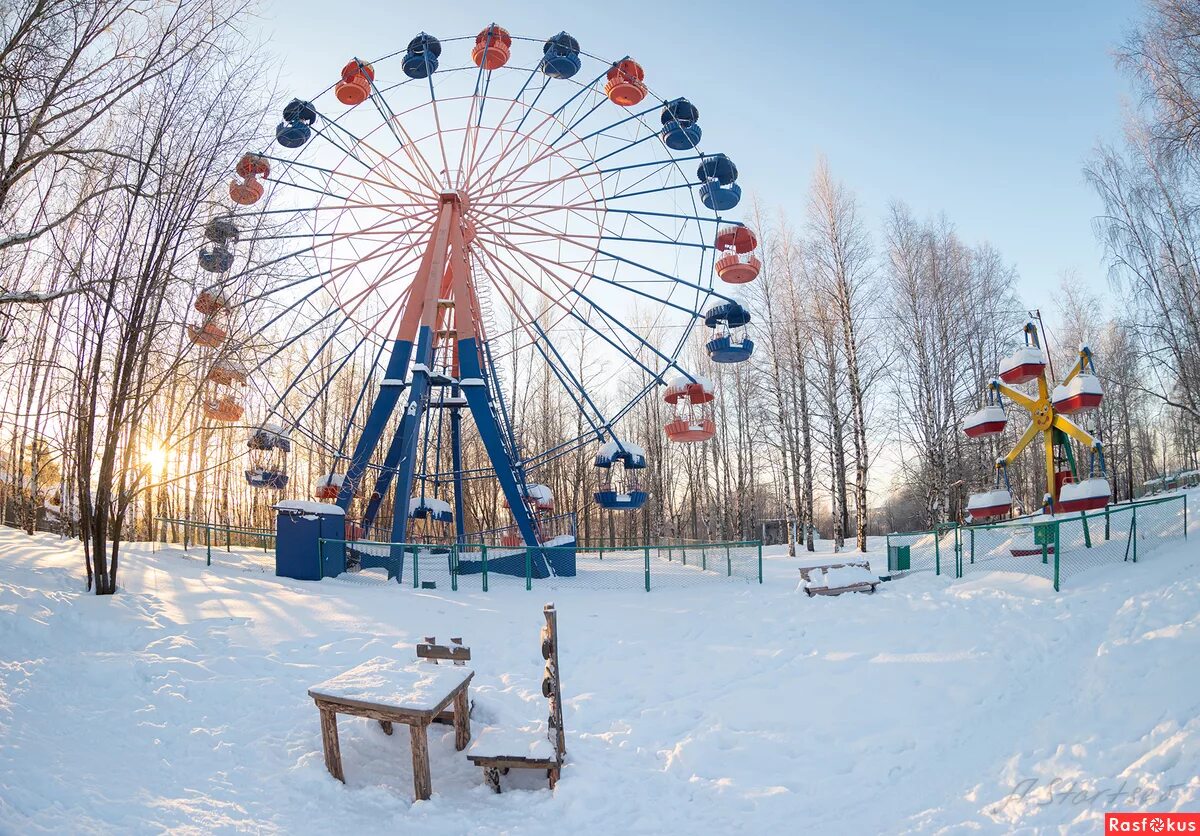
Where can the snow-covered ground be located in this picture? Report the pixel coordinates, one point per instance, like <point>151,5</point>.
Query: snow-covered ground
<point>988,703</point>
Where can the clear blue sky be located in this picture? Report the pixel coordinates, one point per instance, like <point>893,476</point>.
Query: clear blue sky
<point>984,111</point>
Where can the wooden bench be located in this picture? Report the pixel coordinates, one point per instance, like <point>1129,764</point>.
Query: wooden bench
<point>390,691</point>
<point>862,586</point>
<point>498,750</point>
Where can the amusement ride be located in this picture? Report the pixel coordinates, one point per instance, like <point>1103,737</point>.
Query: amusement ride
<point>438,209</point>
<point>1058,414</point>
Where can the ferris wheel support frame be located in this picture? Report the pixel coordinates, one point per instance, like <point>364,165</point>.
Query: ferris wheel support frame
<point>444,258</point>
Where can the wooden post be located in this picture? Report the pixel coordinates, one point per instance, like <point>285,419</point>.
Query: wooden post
<point>329,741</point>
<point>462,720</point>
<point>422,783</point>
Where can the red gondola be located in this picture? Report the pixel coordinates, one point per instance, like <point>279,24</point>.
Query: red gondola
<point>1082,393</point>
<point>492,48</point>
<point>625,85</point>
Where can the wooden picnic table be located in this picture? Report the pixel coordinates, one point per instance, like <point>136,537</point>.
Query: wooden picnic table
<point>391,691</point>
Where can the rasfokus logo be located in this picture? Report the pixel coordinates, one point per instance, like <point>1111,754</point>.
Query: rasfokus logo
<point>1152,822</point>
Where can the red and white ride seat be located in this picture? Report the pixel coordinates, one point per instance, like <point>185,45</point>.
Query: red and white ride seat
<point>738,269</point>
<point>1082,393</point>
<point>989,504</point>
<point>1023,365</point>
<point>1089,495</point>
<point>329,485</point>
<point>990,420</point>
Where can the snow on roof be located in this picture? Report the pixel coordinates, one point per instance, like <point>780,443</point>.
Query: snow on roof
<point>611,449</point>
<point>310,507</point>
<point>682,381</point>
<point>1087,489</point>
<point>540,492</point>
<point>331,479</point>
<point>988,415</point>
<point>989,499</point>
<point>1081,384</point>
<point>1029,355</point>
<point>438,506</point>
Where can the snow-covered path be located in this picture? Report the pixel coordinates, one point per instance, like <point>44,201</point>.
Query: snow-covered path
<point>180,704</point>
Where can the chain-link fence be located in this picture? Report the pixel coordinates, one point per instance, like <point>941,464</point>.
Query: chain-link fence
<point>1055,548</point>
<point>923,551</point>
<point>479,566</point>
<point>250,549</point>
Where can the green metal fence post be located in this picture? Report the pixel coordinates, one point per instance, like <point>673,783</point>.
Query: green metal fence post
<point>728,563</point>
<point>454,567</point>
<point>528,570</point>
<point>483,551</point>
<point>647,551</point>
<point>1134,534</point>
<point>937,553</point>
<point>1087,529</point>
<point>760,561</point>
<point>186,529</point>
<point>416,558</point>
<point>208,545</point>
<point>704,558</point>
<point>957,553</point>
<point>1058,550</point>
<point>1107,524</point>
<point>228,540</point>
<point>972,545</point>
<point>1185,516</point>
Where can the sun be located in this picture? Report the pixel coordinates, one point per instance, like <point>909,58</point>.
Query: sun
<point>154,457</point>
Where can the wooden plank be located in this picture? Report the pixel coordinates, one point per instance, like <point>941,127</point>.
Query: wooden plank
<point>560,742</point>
<point>422,783</point>
<point>462,720</point>
<point>512,761</point>
<point>441,651</point>
<point>329,742</point>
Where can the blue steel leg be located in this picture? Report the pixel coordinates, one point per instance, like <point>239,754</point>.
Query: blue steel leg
<point>391,460</point>
<point>460,525</point>
<point>410,428</point>
<point>489,432</point>
<point>381,411</point>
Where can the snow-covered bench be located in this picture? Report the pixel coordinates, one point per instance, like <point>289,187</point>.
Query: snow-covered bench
<point>836,578</point>
<point>497,750</point>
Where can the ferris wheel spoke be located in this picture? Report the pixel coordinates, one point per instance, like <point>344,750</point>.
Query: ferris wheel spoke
<point>477,154</point>
<point>552,148</point>
<point>570,309</point>
<point>547,119</point>
<point>529,322</point>
<point>382,187</point>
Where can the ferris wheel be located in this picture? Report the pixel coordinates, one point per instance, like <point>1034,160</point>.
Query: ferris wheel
<point>1059,414</point>
<point>442,209</point>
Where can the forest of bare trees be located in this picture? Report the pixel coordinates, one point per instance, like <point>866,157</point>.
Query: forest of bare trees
<point>876,332</point>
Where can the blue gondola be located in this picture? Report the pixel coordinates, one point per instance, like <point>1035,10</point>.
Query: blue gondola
<point>729,343</point>
<point>428,508</point>
<point>215,258</point>
<point>269,438</point>
<point>274,479</point>
<point>221,230</point>
<point>679,129</point>
<point>720,191</point>
<point>720,198</point>
<point>725,350</point>
<point>620,491</point>
<point>717,167</point>
<point>560,57</point>
<point>296,127</point>
<point>421,60</point>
